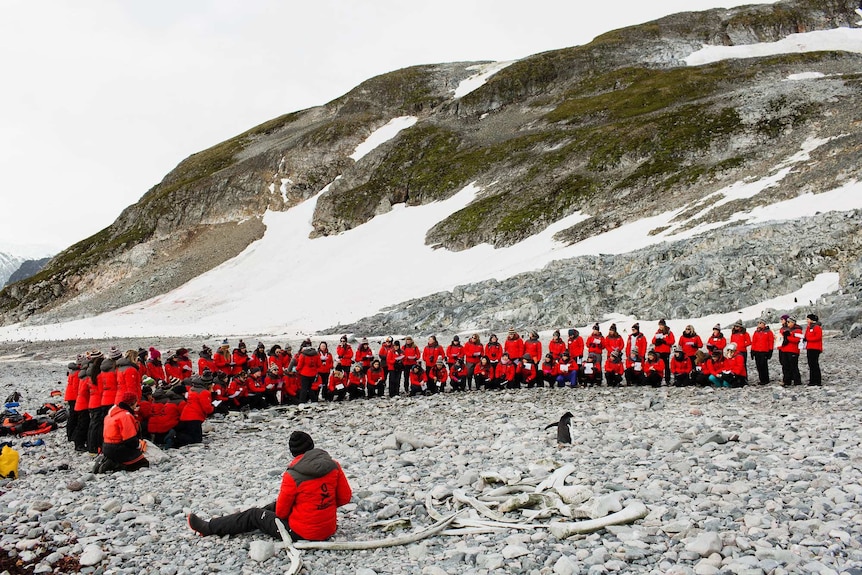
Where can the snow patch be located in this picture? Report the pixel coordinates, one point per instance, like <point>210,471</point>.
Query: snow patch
<point>477,80</point>
<point>382,135</point>
<point>841,39</point>
<point>285,184</point>
<point>806,76</point>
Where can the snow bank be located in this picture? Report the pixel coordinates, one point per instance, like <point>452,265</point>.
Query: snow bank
<point>841,39</point>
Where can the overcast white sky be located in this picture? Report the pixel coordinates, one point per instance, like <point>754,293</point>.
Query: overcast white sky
<point>100,99</point>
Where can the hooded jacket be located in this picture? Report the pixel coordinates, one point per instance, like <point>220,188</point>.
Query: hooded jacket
<point>311,489</point>
<point>108,382</point>
<point>128,379</point>
<point>308,362</point>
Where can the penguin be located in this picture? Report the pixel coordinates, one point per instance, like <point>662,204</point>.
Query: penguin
<point>564,428</point>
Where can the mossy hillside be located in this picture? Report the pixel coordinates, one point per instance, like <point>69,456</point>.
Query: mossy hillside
<point>635,91</point>
<point>426,163</point>
<point>506,218</point>
<point>209,162</point>
<point>341,127</point>
<point>408,90</point>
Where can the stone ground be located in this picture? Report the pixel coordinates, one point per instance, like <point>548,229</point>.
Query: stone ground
<point>760,480</point>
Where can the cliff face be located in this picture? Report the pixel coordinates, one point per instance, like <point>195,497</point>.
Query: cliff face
<point>619,129</point>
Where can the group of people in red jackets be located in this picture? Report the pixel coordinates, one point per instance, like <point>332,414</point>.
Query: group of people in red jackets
<point>114,403</point>
<point>173,398</point>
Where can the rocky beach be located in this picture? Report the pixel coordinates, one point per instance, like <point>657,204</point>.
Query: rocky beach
<point>758,480</point>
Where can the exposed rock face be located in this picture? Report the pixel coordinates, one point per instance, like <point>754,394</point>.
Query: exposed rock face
<point>618,129</point>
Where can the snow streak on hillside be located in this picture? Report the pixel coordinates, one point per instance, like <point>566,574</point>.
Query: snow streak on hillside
<point>477,80</point>
<point>842,39</point>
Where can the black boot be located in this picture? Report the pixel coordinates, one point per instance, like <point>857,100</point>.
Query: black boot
<point>198,525</point>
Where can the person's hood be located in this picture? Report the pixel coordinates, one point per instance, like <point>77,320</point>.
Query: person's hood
<point>124,362</point>
<point>312,464</point>
<point>309,351</point>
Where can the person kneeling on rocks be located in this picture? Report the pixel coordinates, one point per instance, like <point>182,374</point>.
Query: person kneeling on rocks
<point>312,488</point>
<point>122,444</point>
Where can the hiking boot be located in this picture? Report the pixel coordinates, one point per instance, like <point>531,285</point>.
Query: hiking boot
<point>170,438</point>
<point>198,525</point>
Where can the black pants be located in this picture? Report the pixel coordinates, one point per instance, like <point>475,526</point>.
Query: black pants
<point>262,518</point>
<point>324,386</point>
<point>481,381</point>
<point>82,426</point>
<point>189,432</point>
<point>814,376</point>
<point>761,363</point>
<point>654,378</point>
<point>681,380</point>
<point>635,377</point>
<point>613,379</point>
<point>471,367</point>
<point>666,358</point>
<point>394,381</point>
<point>790,368</point>
<point>72,421</point>
<point>94,432</point>
<point>406,370</point>
<point>305,393</point>
<point>130,458</point>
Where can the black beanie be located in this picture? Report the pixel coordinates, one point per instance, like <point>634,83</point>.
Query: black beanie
<point>299,443</point>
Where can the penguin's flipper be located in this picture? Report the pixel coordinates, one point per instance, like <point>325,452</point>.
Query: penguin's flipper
<point>550,425</point>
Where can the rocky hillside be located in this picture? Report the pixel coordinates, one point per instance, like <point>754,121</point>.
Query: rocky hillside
<point>619,129</point>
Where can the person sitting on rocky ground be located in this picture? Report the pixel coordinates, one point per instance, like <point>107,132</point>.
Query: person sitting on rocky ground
<point>653,368</point>
<point>680,367</point>
<point>312,488</point>
<point>614,368</point>
<point>733,372</point>
<point>122,447</point>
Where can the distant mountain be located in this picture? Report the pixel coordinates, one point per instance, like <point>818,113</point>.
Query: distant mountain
<point>27,269</point>
<point>589,139</point>
<point>9,264</point>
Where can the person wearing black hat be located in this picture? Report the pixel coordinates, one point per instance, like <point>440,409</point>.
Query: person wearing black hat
<point>312,488</point>
<point>595,344</point>
<point>813,348</point>
<point>575,346</point>
<point>454,351</point>
<point>664,340</point>
<point>788,352</point>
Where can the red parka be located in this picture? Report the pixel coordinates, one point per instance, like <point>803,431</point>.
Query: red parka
<point>762,340</point>
<point>814,337</point>
<point>198,405</point>
<point>473,351</point>
<point>311,489</point>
